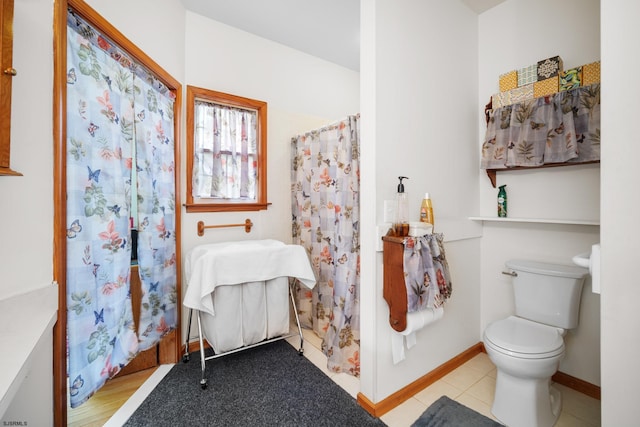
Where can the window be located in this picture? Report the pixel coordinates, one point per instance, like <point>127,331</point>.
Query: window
<point>6,65</point>
<point>226,152</point>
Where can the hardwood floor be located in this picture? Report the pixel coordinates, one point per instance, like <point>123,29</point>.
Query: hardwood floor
<point>97,410</point>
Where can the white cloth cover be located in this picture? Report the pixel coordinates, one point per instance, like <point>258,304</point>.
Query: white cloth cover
<point>241,289</point>
<point>212,265</point>
<point>277,295</point>
<point>246,314</point>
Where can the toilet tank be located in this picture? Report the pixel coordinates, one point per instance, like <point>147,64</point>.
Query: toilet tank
<point>547,293</point>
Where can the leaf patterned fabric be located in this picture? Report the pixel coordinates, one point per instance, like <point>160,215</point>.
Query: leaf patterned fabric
<point>426,272</point>
<point>106,100</point>
<point>564,127</point>
<point>325,208</point>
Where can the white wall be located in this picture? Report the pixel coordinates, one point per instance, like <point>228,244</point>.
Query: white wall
<point>510,37</point>
<point>619,206</point>
<point>419,111</point>
<point>508,41</point>
<point>156,27</point>
<point>26,217</point>
<point>302,92</point>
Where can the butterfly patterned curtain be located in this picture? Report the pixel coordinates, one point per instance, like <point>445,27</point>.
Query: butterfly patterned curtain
<point>325,208</point>
<point>107,107</point>
<point>156,212</point>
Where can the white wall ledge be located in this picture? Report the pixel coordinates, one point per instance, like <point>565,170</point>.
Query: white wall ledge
<point>24,320</point>
<point>537,220</point>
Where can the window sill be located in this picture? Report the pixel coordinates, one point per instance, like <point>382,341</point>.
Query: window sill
<point>9,172</point>
<point>227,207</point>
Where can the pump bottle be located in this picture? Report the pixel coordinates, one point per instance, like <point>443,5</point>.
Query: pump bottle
<point>426,210</point>
<point>401,224</point>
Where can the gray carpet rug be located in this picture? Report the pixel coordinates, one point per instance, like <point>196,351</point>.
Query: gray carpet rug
<point>269,385</point>
<point>445,412</point>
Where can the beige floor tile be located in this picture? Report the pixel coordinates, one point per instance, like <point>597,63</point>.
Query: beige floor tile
<point>436,390</point>
<point>568,420</point>
<point>310,337</point>
<point>493,373</point>
<point>483,390</point>
<point>472,384</point>
<point>463,377</point>
<point>476,404</point>
<point>317,358</point>
<point>348,382</point>
<point>482,363</point>
<point>584,407</point>
<point>405,414</point>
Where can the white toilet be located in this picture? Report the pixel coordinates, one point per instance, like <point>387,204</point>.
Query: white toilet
<point>527,348</point>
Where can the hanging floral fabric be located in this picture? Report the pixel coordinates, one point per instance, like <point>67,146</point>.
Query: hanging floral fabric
<point>559,128</point>
<point>325,206</point>
<point>101,113</point>
<point>156,212</point>
<point>426,270</point>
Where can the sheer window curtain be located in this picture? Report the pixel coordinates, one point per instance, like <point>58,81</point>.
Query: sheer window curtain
<point>225,152</point>
<point>109,108</point>
<point>326,214</point>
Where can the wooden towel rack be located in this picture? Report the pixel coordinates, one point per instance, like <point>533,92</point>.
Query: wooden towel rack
<point>247,226</point>
<point>394,290</point>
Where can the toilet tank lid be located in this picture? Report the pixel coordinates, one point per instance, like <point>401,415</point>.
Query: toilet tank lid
<point>548,269</point>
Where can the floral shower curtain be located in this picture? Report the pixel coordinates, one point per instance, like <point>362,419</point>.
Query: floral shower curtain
<point>112,104</point>
<point>325,207</point>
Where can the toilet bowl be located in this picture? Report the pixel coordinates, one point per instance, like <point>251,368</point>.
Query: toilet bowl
<point>527,347</point>
<point>526,355</point>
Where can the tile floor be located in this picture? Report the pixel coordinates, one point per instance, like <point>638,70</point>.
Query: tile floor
<point>472,384</point>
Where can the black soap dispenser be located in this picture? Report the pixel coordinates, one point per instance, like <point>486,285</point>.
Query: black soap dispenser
<point>401,223</point>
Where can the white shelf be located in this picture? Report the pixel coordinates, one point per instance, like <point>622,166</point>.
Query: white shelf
<point>536,220</point>
<point>25,320</point>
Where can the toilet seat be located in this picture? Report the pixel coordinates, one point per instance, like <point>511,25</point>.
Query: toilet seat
<point>524,339</point>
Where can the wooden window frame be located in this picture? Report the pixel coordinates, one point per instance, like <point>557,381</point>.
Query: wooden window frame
<point>6,78</point>
<point>195,205</point>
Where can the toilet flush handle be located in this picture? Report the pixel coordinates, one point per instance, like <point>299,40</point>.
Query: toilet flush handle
<point>510,273</point>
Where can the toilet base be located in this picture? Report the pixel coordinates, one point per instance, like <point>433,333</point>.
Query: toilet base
<point>526,402</point>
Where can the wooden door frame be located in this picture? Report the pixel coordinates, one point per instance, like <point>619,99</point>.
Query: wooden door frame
<point>170,347</point>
